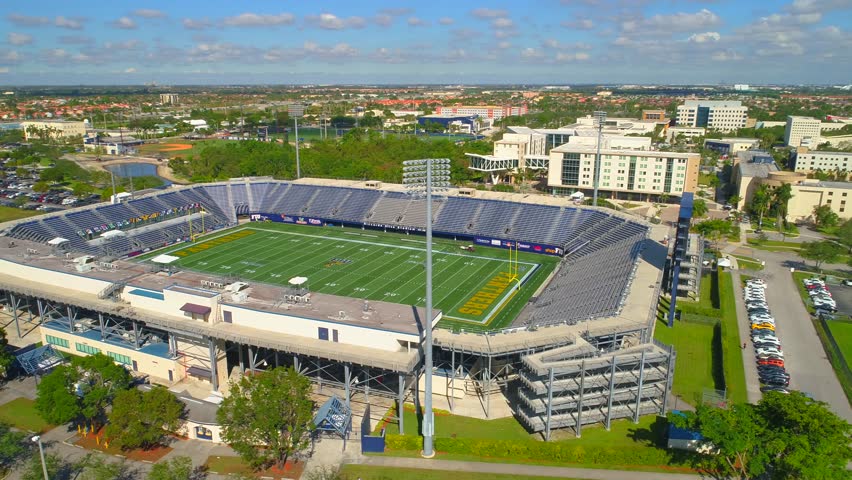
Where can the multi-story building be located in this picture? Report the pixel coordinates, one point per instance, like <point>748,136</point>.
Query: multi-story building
<point>688,132</point>
<point>624,174</point>
<point>722,115</point>
<point>169,98</point>
<point>730,146</point>
<point>808,161</point>
<point>484,111</point>
<point>654,115</point>
<point>802,131</point>
<point>44,129</point>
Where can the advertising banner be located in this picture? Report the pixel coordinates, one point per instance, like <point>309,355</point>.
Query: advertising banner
<point>522,246</point>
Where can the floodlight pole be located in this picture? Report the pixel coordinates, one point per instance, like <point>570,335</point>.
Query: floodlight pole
<point>428,419</point>
<point>600,118</point>
<point>37,439</point>
<point>298,169</point>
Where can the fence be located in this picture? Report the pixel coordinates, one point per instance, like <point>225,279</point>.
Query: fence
<point>842,367</point>
<point>371,443</point>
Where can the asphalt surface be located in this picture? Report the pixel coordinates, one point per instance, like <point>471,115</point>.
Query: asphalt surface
<point>804,356</point>
<point>751,377</point>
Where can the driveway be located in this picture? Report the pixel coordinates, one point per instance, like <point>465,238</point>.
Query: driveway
<point>805,358</point>
<point>752,380</point>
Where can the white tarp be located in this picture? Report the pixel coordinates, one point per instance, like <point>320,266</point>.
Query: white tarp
<point>165,259</point>
<point>724,262</point>
<point>57,241</point>
<point>113,234</point>
<point>296,281</point>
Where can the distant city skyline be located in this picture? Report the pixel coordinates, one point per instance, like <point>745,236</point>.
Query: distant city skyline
<point>381,42</point>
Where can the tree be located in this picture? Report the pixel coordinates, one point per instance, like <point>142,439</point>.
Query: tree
<point>785,436</point>
<point>178,468</point>
<point>6,357</point>
<point>81,390</point>
<point>57,467</point>
<point>141,419</point>
<point>824,217</point>
<point>272,409</point>
<point>13,446</point>
<point>95,467</point>
<point>699,208</point>
<point>41,187</point>
<point>821,252</point>
<point>844,233</point>
<point>80,189</point>
<point>713,230</point>
<point>760,202</point>
<point>735,200</point>
<point>21,200</point>
<point>780,197</point>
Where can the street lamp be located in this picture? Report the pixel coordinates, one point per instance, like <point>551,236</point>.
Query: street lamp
<point>600,118</point>
<point>297,111</point>
<point>37,439</point>
<point>427,176</point>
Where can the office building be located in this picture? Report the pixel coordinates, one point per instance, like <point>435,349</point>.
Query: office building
<point>44,129</point>
<point>672,133</point>
<point>721,115</point>
<point>654,115</point>
<point>801,131</point>
<point>169,98</point>
<point>624,174</point>
<point>730,146</point>
<point>808,161</point>
<point>483,111</point>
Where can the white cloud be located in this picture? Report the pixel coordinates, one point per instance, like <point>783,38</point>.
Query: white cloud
<point>69,23</point>
<point>396,12</point>
<point>130,70</point>
<point>10,56</point>
<point>196,24</point>
<point>27,21</point>
<point>579,24</point>
<point>488,13</point>
<point>4,69</point>
<point>502,23</point>
<point>126,45</point>
<point>149,13</point>
<point>726,56</point>
<point>124,23</point>
<point>705,37</point>
<point>249,19</point>
<point>809,6</point>
<point>416,22</point>
<point>571,57</point>
<point>19,38</point>
<point>338,51</point>
<point>329,21</point>
<point>504,45</point>
<point>530,52</point>
<point>383,19</point>
<point>76,39</point>
<point>446,21</point>
<point>677,22</point>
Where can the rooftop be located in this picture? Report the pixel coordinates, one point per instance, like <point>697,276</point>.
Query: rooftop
<point>761,170</point>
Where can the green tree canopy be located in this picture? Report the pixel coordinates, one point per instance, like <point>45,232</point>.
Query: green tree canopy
<point>820,252</point>
<point>272,409</point>
<point>141,419</point>
<point>824,216</point>
<point>782,436</point>
<point>699,208</point>
<point>760,202</point>
<point>13,446</point>
<point>6,357</point>
<point>178,468</point>
<point>780,198</point>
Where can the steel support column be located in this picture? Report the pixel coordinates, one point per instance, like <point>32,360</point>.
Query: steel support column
<point>14,305</point>
<point>347,380</point>
<point>400,405</point>
<point>296,364</point>
<point>173,350</point>
<point>251,359</point>
<point>71,318</point>
<point>366,386</point>
<point>488,390</point>
<point>136,334</point>
<point>549,405</point>
<point>40,306</point>
<point>668,384</point>
<point>578,428</point>
<point>611,388</point>
<point>451,392</point>
<point>639,391</point>
<point>214,377</point>
<point>240,357</point>
<point>102,327</point>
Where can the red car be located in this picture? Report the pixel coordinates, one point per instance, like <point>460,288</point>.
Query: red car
<point>771,361</point>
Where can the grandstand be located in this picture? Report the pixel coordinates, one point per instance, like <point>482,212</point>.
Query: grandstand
<point>201,320</point>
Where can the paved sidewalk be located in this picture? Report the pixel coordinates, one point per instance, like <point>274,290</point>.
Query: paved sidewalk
<point>523,469</point>
<point>749,362</point>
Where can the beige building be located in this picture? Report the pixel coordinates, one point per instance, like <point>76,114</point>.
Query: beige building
<point>808,161</point>
<point>623,173</point>
<point>44,129</point>
<point>169,98</point>
<point>802,131</point>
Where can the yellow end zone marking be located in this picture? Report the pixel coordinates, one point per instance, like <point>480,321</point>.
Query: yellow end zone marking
<point>488,294</point>
<point>213,243</point>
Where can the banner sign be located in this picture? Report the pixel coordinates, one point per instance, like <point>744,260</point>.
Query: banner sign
<point>281,218</point>
<point>522,246</point>
<point>404,228</point>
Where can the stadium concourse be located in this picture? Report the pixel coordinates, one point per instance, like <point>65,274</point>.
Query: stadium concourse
<point>121,279</point>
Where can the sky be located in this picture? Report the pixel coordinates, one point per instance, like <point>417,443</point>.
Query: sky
<point>436,41</point>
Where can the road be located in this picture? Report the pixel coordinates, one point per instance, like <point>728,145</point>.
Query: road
<point>804,356</point>
<point>752,380</point>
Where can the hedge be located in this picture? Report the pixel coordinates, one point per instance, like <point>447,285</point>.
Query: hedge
<point>556,452</point>
<point>695,309</point>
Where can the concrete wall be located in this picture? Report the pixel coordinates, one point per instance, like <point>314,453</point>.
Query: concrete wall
<point>68,280</point>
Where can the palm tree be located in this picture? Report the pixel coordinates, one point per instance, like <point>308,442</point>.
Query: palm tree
<point>781,196</point>
<point>760,202</point>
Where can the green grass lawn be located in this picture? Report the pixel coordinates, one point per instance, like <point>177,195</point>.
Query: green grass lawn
<point>733,367</point>
<point>842,333</point>
<point>11,213</point>
<point>374,266</point>
<point>748,263</point>
<point>373,472</point>
<point>447,425</point>
<point>694,344</point>
<point>21,413</point>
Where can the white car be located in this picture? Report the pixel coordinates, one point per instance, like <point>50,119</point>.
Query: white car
<point>764,352</point>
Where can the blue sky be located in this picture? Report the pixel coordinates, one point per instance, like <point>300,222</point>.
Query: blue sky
<point>439,41</point>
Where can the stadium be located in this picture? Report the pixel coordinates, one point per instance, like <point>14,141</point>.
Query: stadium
<point>543,309</point>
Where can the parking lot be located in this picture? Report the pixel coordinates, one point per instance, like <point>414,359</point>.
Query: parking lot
<point>843,296</point>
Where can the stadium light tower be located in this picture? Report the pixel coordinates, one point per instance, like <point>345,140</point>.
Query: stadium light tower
<point>427,176</point>
<point>600,118</point>
<point>297,111</point>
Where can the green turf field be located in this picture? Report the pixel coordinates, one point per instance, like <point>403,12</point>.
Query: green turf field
<point>474,290</point>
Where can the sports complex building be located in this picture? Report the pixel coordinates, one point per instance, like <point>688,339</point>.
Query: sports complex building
<point>540,305</point>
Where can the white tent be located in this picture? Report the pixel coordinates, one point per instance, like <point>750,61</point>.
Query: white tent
<point>113,234</point>
<point>298,281</point>
<point>724,262</point>
<point>57,241</point>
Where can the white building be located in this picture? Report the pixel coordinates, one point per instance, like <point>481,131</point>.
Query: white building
<point>629,174</point>
<point>169,98</point>
<point>722,115</point>
<point>483,111</point>
<point>807,161</point>
<point>53,129</point>
<point>688,132</point>
<point>621,125</point>
<point>802,131</point>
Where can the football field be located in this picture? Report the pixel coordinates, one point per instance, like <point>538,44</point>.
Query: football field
<point>484,289</point>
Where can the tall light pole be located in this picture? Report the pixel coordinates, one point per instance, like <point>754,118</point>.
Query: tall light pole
<point>297,111</point>
<point>427,176</point>
<point>37,439</point>
<point>600,118</point>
